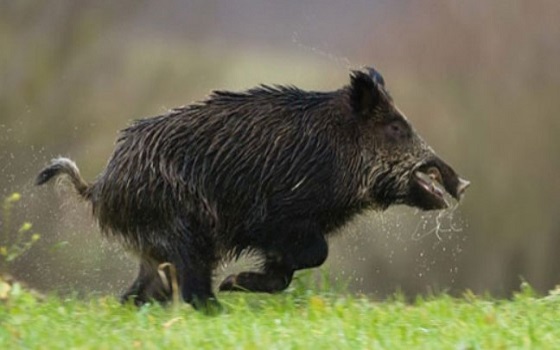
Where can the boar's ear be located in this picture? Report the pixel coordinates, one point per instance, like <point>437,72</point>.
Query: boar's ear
<point>364,92</point>
<point>375,76</point>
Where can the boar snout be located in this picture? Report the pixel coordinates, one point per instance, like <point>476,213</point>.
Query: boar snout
<point>431,180</point>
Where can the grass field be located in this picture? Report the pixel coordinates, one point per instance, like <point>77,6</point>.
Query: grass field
<point>297,319</point>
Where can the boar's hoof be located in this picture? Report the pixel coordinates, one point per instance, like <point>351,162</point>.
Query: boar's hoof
<point>209,306</point>
<point>229,284</point>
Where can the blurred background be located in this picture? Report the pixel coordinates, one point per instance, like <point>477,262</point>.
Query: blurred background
<point>480,80</point>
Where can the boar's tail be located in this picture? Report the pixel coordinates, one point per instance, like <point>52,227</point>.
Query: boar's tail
<point>65,166</point>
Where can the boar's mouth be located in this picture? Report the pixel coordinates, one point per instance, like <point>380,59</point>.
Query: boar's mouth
<point>433,183</point>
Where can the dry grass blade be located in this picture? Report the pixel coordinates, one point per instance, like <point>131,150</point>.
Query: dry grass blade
<point>171,282</point>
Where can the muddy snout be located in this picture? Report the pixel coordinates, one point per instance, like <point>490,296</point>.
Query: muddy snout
<point>453,184</point>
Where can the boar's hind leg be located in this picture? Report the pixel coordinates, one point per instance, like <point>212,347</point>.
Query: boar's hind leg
<point>299,253</point>
<point>146,287</point>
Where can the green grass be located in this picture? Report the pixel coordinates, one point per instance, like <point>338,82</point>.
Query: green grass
<point>298,319</point>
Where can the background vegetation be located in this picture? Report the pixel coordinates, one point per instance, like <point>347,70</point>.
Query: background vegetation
<point>478,79</point>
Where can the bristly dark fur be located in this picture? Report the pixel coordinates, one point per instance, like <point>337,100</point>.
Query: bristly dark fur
<point>273,169</point>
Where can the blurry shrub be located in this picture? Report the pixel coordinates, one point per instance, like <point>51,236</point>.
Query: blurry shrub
<point>13,242</point>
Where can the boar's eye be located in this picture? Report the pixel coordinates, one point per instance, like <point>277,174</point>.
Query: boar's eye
<point>397,130</point>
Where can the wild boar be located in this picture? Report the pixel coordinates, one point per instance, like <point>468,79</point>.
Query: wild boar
<point>274,170</point>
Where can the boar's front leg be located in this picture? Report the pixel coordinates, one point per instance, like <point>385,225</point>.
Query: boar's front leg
<point>273,279</point>
<point>293,252</point>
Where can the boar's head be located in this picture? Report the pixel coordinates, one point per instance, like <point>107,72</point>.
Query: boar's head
<point>401,167</point>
